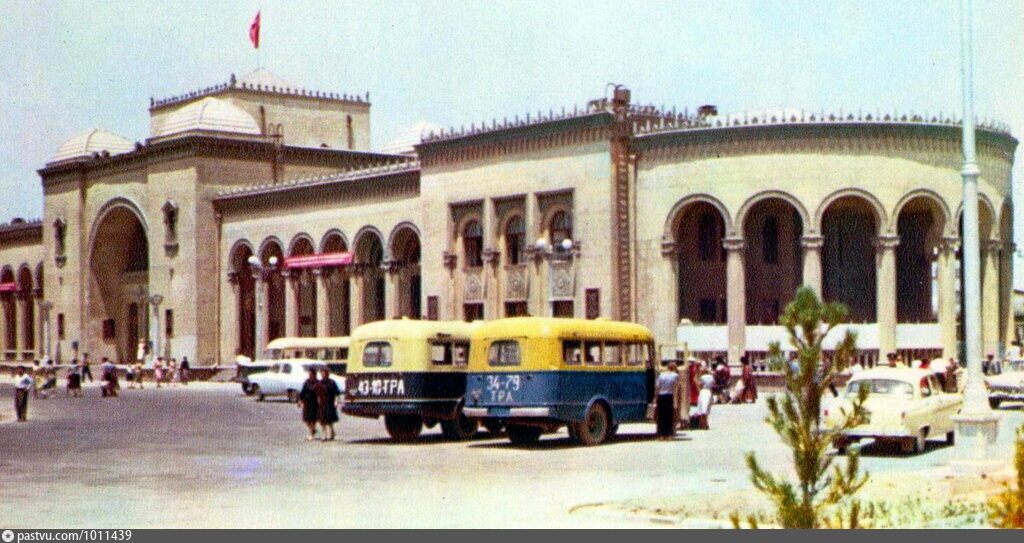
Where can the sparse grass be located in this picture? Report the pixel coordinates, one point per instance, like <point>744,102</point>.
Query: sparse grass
<point>1006,510</point>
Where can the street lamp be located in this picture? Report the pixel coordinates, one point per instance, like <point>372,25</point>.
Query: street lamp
<point>257,274</point>
<point>977,424</point>
<point>154,326</point>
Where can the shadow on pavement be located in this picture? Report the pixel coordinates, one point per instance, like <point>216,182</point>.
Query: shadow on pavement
<point>567,443</point>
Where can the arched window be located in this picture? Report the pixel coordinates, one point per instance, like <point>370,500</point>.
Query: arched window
<point>561,228</point>
<point>515,232</point>
<point>708,237</point>
<point>770,240</point>
<point>473,244</point>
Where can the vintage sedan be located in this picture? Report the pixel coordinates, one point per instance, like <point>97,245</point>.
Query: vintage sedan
<point>286,378</point>
<point>903,405</point>
<point>1007,386</point>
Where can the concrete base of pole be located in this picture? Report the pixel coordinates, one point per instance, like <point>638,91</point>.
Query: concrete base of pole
<point>976,434</point>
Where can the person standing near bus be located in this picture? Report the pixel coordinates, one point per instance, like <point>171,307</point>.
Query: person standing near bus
<point>667,403</point>
<point>327,393</point>
<point>308,404</point>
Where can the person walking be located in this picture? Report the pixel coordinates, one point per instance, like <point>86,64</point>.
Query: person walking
<point>327,393</point>
<point>138,374</point>
<point>308,404</point>
<point>704,399</point>
<point>75,379</point>
<point>183,371</point>
<point>86,372</point>
<point>666,404</point>
<point>747,377</point>
<point>108,373</point>
<point>37,378</point>
<point>158,370</point>
<point>22,383</point>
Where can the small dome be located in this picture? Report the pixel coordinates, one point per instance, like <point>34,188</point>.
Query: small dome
<point>92,141</point>
<point>210,114</point>
<point>405,141</point>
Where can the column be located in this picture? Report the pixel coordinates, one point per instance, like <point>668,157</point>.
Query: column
<point>812,262</point>
<point>259,288</point>
<point>44,324</point>
<point>355,292</point>
<point>534,293</point>
<point>990,297</point>
<point>665,292</point>
<point>19,325</point>
<point>322,277</point>
<point>392,303</point>
<point>37,326</point>
<point>490,257</point>
<point>1006,295</point>
<point>946,280</point>
<point>291,302</point>
<point>736,302</point>
<point>885,293</point>
<point>4,347</point>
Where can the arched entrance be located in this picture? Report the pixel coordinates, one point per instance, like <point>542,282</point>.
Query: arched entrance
<point>849,227</point>
<point>699,234</point>
<point>118,284</point>
<point>405,251</point>
<point>338,306</point>
<point>275,289</point>
<point>8,299</point>
<point>26,292</point>
<point>305,290</point>
<point>772,229</point>
<point>369,257</point>
<point>245,287</point>
<point>920,224</point>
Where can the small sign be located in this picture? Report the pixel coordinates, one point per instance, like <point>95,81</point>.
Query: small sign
<point>8,287</point>
<point>318,261</point>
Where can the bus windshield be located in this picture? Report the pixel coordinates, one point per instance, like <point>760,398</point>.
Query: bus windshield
<point>504,353</point>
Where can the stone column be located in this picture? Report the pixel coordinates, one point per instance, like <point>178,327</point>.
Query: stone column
<point>885,293</point>
<point>44,321</point>
<point>666,292</point>
<point>990,297</point>
<point>736,302</point>
<point>1006,295</point>
<point>534,294</point>
<point>19,324</point>
<point>490,257</point>
<point>946,279</point>
<point>4,347</point>
<point>291,303</point>
<point>322,276</point>
<point>812,262</point>
<point>392,303</point>
<point>259,288</point>
<point>355,292</point>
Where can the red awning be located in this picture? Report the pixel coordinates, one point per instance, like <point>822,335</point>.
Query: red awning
<point>8,287</point>
<point>318,261</point>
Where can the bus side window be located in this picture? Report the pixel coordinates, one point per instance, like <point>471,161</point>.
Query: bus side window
<point>572,354</point>
<point>504,353</point>
<point>343,353</point>
<point>460,354</point>
<point>377,354</point>
<point>592,353</point>
<point>634,354</point>
<point>613,354</point>
<point>441,354</point>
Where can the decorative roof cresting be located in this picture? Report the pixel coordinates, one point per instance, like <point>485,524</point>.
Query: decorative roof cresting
<point>260,80</point>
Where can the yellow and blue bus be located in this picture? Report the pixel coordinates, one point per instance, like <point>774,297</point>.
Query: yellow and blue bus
<point>413,373</point>
<point>536,374</point>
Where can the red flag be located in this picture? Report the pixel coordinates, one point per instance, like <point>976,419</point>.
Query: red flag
<point>254,31</point>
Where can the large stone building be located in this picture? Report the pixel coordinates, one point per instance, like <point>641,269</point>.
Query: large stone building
<point>699,226</point>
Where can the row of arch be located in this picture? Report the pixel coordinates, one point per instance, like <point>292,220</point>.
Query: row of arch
<point>328,301</point>
<point>851,230</point>
<point>23,289</point>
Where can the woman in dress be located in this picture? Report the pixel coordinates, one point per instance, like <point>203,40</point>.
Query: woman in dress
<point>308,404</point>
<point>749,388</point>
<point>75,379</point>
<point>327,393</point>
<point>704,399</point>
<point>667,388</point>
<point>158,371</point>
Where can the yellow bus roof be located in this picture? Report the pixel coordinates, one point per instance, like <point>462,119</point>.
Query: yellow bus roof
<point>563,328</point>
<point>309,342</point>
<point>414,329</point>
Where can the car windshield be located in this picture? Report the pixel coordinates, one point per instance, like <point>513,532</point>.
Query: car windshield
<point>880,387</point>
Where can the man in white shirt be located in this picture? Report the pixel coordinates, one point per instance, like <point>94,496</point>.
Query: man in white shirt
<point>22,384</point>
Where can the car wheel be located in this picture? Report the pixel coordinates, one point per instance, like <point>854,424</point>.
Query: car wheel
<point>258,393</point>
<point>523,435</point>
<point>593,429</point>
<point>950,438</point>
<point>403,427</point>
<point>460,428</point>
<point>994,402</point>
<point>494,427</point>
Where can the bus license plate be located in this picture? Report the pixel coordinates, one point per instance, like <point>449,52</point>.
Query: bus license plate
<point>502,388</point>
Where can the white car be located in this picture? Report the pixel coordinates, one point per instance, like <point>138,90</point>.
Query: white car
<point>904,405</point>
<point>1007,386</point>
<point>286,379</point>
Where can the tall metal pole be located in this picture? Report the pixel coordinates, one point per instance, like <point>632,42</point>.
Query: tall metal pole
<point>977,425</point>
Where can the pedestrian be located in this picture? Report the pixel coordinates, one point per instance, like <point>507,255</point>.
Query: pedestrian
<point>172,371</point>
<point>158,370</point>
<point>86,372</point>
<point>667,402</point>
<point>950,372</point>
<point>49,386</point>
<point>183,371</point>
<point>308,405</point>
<point>722,375</point>
<point>140,351</point>
<point>75,379</point>
<point>109,383</point>
<point>327,393</point>
<point>129,375</point>
<point>138,374</point>
<point>747,377</point>
<point>22,383</point>
<point>700,418</point>
<point>37,378</point>
<point>682,414</point>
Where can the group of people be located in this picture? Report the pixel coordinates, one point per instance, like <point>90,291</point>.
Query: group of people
<point>318,401</point>
<point>684,393</point>
<point>168,371</point>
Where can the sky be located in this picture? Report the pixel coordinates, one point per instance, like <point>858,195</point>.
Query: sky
<point>71,66</point>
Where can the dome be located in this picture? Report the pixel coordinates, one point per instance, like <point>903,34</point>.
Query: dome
<point>92,141</point>
<point>405,141</point>
<point>209,114</point>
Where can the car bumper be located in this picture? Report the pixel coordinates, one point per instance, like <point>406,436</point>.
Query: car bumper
<point>883,433</point>
<point>513,412</point>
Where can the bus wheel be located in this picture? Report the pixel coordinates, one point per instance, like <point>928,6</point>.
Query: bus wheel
<point>594,428</point>
<point>403,427</point>
<point>494,427</point>
<point>523,435</point>
<point>459,428</point>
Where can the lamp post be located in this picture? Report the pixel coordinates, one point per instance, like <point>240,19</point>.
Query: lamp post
<point>154,326</point>
<point>44,309</point>
<point>261,324</point>
<point>977,424</point>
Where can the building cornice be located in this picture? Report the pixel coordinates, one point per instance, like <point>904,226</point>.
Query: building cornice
<point>381,172</point>
<point>22,230</point>
<point>241,87</point>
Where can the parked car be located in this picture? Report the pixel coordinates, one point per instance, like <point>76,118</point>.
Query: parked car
<point>245,370</point>
<point>1007,386</point>
<point>903,405</point>
<point>286,378</point>
<point>332,351</point>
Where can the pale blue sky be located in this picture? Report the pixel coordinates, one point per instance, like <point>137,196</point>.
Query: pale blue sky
<point>70,66</point>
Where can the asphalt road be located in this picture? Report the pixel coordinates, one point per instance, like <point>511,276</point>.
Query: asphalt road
<point>207,456</point>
